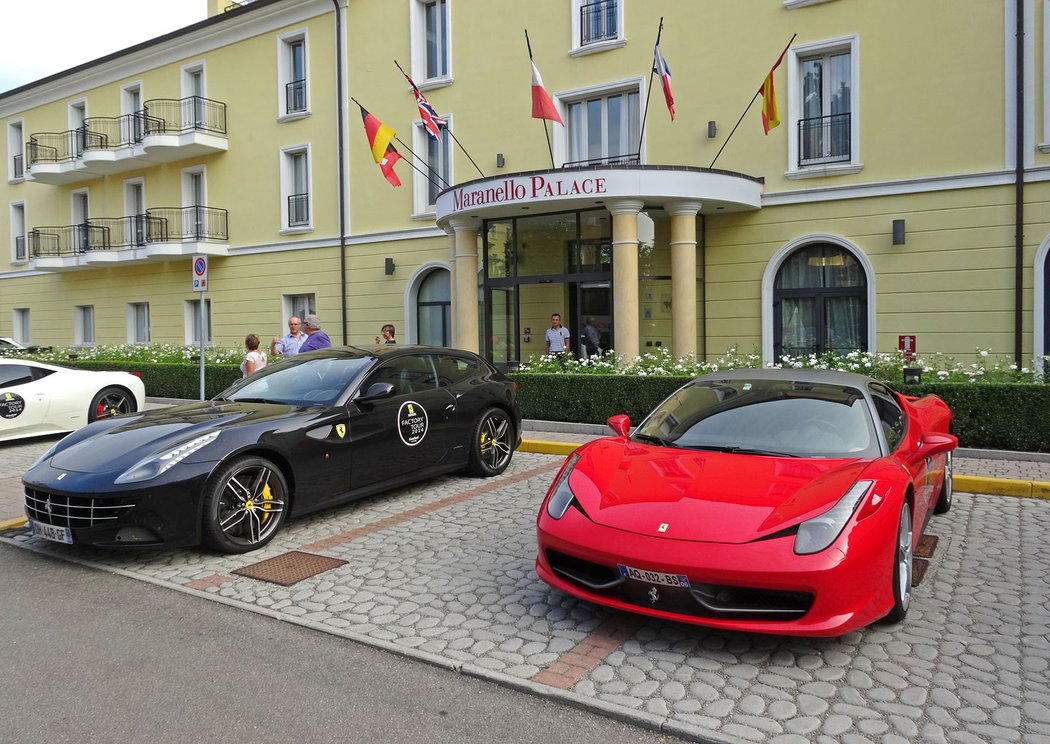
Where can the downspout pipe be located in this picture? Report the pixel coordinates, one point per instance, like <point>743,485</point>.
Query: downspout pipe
<point>340,97</point>
<point>1019,154</point>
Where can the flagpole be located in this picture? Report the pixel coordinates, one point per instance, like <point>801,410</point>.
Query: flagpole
<point>757,92</point>
<point>648,93</point>
<point>415,89</point>
<point>546,133</point>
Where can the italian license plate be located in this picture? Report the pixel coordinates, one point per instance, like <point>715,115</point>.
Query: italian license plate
<point>653,577</point>
<point>51,532</point>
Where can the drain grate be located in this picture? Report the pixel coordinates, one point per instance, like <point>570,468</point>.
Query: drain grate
<point>918,570</point>
<point>289,568</point>
<point>927,544</point>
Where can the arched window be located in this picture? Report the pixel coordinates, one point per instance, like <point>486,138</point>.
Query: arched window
<point>434,309</point>
<point>819,303</point>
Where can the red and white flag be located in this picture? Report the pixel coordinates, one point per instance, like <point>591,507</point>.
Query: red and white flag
<point>660,65</point>
<point>542,105</point>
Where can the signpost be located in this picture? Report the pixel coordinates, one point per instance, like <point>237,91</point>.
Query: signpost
<point>200,284</point>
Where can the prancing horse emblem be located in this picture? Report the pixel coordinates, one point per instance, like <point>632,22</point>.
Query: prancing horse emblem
<point>663,527</point>
<point>340,430</point>
<point>654,596</point>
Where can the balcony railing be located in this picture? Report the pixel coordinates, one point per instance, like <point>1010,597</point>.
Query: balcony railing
<point>18,169</point>
<point>20,247</point>
<point>298,210</point>
<point>598,21</point>
<point>158,116</point>
<point>824,139</point>
<point>633,158</point>
<point>158,225</point>
<point>295,97</point>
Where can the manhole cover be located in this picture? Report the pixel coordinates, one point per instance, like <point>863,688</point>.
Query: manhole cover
<point>289,568</point>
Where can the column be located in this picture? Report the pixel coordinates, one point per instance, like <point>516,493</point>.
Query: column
<point>683,276</point>
<point>625,274</point>
<point>465,282</point>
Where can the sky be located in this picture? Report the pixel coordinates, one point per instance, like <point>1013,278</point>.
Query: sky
<point>42,37</point>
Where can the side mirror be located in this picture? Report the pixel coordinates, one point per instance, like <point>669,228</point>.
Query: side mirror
<point>934,444</point>
<point>620,424</point>
<point>376,391</point>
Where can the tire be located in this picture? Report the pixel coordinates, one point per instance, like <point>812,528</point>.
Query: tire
<point>491,444</point>
<point>944,501</point>
<point>902,567</point>
<point>245,504</point>
<point>110,402</point>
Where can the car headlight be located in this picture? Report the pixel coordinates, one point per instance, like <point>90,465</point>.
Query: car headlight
<point>818,533</point>
<point>152,466</point>
<point>561,495</point>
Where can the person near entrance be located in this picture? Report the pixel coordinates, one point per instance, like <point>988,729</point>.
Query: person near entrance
<point>318,339</point>
<point>557,337</point>
<point>387,337</point>
<point>591,339</point>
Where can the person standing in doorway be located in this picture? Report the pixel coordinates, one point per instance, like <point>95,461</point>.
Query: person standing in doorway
<point>557,337</point>
<point>591,339</point>
<point>316,338</point>
<point>289,344</point>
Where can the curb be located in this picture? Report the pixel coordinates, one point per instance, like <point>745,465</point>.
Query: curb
<point>967,483</point>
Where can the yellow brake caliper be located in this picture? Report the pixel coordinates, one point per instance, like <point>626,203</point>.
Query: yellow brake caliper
<point>267,497</point>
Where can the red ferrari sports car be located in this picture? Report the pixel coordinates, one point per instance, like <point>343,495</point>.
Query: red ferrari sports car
<point>770,501</point>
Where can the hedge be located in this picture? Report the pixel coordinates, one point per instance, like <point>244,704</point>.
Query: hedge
<point>1011,416</point>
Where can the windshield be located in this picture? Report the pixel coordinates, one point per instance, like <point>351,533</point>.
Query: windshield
<point>774,417</point>
<point>300,382</point>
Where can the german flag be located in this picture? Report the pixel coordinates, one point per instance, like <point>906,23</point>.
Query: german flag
<point>384,153</point>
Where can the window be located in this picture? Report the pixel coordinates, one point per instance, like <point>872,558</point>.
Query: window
<point>436,171</point>
<point>823,104</point>
<point>596,25</point>
<point>291,75</point>
<point>604,129</point>
<point>132,119</point>
<point>819,303</point>
<point>84,325</point>
<point>135,218</point>
<point>434,309</point>
<point>138,323</point>
<point>21,330</point>
<point>431,41</point>
<point>192,317</point>
<point>15,146</point>
<point>891,417</point>
<point>18,233</point>
<point>194,115</point>
<point>299,305</point>
<point>295,188</point>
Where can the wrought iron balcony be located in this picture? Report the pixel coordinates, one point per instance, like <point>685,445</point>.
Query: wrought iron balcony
<point>633,158</point>
<point>17,169</point>
<point>824,139</point>
<point>164,130</point>
<point>20,247</point>
<point>295,97</point>
<point>298,210</point>
<point>161,232</point>
<point>598,21</point>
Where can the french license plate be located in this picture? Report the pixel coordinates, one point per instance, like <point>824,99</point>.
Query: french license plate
<point>51,532</point>
<point>653,577</point>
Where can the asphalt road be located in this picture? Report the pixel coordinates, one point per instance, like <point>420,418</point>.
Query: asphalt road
<point>93,657</point>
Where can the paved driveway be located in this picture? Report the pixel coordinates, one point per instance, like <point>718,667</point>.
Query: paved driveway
<point>443,572</point>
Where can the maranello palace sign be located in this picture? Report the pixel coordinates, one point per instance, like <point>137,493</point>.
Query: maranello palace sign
<point>528,188</point>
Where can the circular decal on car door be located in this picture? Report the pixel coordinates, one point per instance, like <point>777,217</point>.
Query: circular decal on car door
<point>411,423</point>
<point>11,405</point>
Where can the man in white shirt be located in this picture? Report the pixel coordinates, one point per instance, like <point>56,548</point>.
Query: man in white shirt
<point>288,345</point>
<point>557,337</point>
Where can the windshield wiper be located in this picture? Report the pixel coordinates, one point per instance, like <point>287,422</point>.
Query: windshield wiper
<point>649,438</point>
<point>250,400</point>
<point>740,450</point>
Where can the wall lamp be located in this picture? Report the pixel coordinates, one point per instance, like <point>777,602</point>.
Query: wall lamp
<point>388,266</point>
<point>712,129</point>
<point>898,232</point>
<point>500,160</point>
<point>912,375</point>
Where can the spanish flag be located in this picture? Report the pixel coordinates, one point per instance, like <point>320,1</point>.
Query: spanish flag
<point>379,137</point>
<point>770,115</point>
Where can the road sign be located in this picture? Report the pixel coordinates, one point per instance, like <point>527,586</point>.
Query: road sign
<point>200,273</point>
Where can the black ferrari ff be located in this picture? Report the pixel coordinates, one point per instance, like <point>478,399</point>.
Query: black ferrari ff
<point>308,432</point>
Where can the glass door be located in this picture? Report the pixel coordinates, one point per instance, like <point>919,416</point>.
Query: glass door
<point>594,318</point>
<point>502,326</point>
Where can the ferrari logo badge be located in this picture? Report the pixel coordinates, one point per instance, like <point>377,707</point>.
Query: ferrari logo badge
<point>663,527</point>
<point>411,410</point>
<point>340,430</point>
<point>654,596</point>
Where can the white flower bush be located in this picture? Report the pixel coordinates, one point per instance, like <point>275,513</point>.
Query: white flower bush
<point>137,353</point>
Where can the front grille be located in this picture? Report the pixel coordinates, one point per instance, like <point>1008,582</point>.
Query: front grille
<point>74,511</point>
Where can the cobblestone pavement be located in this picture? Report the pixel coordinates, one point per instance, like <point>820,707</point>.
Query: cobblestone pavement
<point>443,571</point>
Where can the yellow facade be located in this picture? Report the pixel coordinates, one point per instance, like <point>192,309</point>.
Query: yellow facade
<point>918,111</point>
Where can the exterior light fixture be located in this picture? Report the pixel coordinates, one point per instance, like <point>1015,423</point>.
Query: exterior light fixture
<point>712,129</point>
<point>500,160</point>
<point>388,266</point>
<point>898,232</point>
<point>912,375</point>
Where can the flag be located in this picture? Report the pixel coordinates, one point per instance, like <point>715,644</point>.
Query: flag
<point>379,137</point>
<point>661,68</point>
<point>432,122</point>
<point>542,105</point>
<point>770,115</point>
